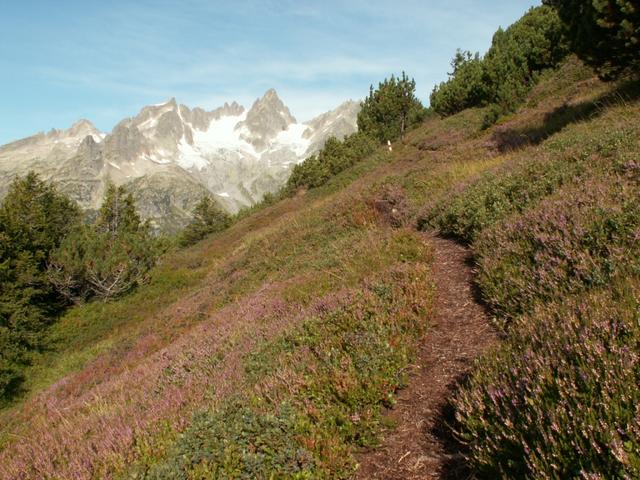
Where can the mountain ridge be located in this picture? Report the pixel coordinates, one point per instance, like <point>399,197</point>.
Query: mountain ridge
<point>234,154</point>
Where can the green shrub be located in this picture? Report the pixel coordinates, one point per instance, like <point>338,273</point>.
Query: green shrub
<point>239,442</point>
<point>559,399</point>
<point>521,183</point>
<point>499,194</point>
<point>578,239</point>
<point>508,71</point>
<point>207,218</point>
<point>336,156</point>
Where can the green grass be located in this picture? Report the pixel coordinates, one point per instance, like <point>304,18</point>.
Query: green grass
<point>315,392</point>
<point>94,328</point>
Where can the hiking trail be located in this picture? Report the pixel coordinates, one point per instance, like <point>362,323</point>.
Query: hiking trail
<point>420,446</point>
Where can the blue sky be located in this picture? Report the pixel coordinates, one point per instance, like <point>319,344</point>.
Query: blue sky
<point>103,60</point>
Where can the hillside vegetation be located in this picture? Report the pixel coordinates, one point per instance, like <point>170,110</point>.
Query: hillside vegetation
<point>271,348</point>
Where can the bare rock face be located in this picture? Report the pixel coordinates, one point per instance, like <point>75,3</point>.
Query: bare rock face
<point>338,123</point>
<point>268,117</point>
<point>170,155</point>
<point>166,198</point>
<point>43,153</point>
<point>124,144</point>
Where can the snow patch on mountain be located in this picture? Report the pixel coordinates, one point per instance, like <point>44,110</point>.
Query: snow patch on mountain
<point>170,155</point>
<point>293,137</point>
<point>223,135</point>
<point>189,157</point>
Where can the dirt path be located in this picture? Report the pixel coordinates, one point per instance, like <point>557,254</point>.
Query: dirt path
<point>421,447</point>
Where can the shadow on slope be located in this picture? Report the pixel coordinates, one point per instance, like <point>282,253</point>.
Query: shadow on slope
<point>506,139</point>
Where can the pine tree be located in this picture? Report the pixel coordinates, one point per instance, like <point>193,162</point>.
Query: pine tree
<point>34,219</point>
<point>504,76</point>
<point>118,211</point>
<point>388,112</point>
<point>207,218</point>
<point>35,216</point>
<point>605,34</point>
<point>465,88</point>
<point>107,259</point>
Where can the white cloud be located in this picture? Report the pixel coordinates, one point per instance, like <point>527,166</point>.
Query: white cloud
<point>206,52</point>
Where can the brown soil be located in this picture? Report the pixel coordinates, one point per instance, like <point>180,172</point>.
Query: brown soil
<point>421,445</point>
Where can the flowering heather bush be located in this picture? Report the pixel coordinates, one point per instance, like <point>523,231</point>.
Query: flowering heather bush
<point>90,431</point>
<point>390,204</point>
<point>499,194</point>
<point>316,391</point>
<point>128,405</point>
<point>576,240</point>
<point>606,145</point>
<point>561,397</point>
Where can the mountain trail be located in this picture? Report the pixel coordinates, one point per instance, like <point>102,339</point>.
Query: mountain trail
<point>421,445</point>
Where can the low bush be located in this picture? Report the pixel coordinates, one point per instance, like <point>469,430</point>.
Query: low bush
<point>499,194</point>
<point>335,156</point>
<point>390,203</point>
<point>580,238</point>
<point>522,182</point>
<point>238,441</point>
<point>559,399</point>
<point>316,391</point>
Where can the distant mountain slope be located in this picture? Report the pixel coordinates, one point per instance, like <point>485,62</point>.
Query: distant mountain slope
<point>171,155</point>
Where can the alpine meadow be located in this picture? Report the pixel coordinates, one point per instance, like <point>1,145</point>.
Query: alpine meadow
<point>396,289</point>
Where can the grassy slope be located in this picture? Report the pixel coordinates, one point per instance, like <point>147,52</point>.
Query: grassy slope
<point>258,318</point>
<point>556,236</point>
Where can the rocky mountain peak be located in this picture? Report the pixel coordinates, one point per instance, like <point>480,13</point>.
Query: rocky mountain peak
<point>231,109</point>
<point>341,120</point>
<point>267,117</point>
<point>82,128</point>
<point>270,104</point>
<point>169,155</point>
<point>150,113</point>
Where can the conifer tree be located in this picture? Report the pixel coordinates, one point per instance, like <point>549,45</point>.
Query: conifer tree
<point>605,34</point>
<point>508,71</point>
<point>390,110</point>
<point>107,259</point>
<point>466,87</point>
<point>34,219</point>
<point>207,218</point>
<point>118,212</point>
